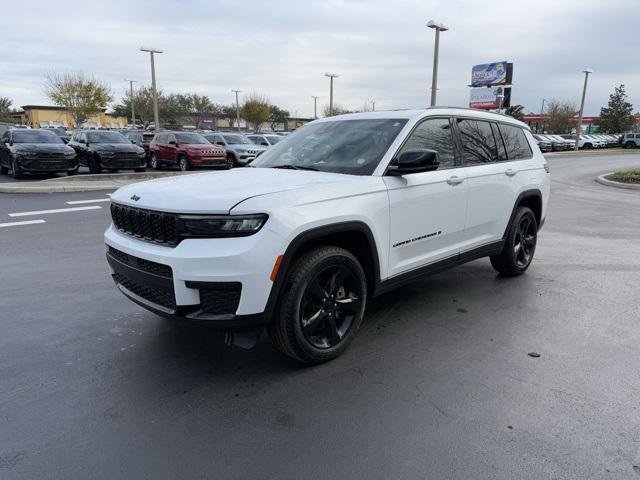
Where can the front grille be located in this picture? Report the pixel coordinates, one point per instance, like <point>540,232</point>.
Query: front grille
<point>159,297</point>
<point>149,225</point>
<point>126,155</point>
<point>142,264</point>
<point>212,152</point>
<point>220,301</point>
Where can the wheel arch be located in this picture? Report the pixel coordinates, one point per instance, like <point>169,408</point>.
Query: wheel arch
<point>351,235</point>
<point>529,198</point>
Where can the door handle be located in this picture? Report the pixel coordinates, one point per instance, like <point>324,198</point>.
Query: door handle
<point>455,180</point>
<point>510,173</point>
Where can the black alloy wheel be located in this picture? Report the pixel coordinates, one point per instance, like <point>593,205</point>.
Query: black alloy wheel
<point>321,307</point>
<point>17,174</point>
<point>519,244</point>
<point>153,162</point>
<point>183,163</point>
<point>524,242</point>
<point>330,303</point>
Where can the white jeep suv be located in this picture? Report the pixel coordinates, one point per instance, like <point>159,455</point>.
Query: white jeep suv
<point>344,209</point>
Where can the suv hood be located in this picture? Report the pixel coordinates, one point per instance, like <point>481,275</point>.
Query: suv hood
<point>43,148</point>
<point>247,146</point>
<point>201,146</point>
<point>219,192</point>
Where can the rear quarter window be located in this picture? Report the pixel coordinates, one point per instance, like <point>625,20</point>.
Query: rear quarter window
<point>515,142</point>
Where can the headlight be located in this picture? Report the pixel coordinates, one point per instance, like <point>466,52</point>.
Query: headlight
<point>242,150</point>
<point>70,154</point>
<point>28,154</point>
<point>221,225</point>
<point>141,154</point>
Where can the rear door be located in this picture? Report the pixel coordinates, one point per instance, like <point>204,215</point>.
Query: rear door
<point>170,148</point>
<point>427,209</point>
<point>496,157</point>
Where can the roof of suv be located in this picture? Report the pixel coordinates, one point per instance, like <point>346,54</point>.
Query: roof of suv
<point>428,112</point>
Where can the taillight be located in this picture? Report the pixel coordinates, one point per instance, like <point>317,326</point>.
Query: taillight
<point>546,167</point>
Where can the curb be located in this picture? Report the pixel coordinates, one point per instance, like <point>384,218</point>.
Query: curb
<point>84,183</point>
<point>610,183</point>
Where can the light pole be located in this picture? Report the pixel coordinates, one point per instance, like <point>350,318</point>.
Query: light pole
<point>373,105</point>
<point>156,117</point>
<point>237,107</point>
<point>542,113</point>
<point>438,27</point>
<point>331,77</point>
<point>586,72</point>
<point>133,111</point>
<point>315,106</point>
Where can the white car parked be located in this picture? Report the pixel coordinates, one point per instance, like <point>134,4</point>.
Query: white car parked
<point>344,209</point>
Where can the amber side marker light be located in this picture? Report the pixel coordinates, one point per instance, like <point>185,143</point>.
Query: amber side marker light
<point>276,267</point>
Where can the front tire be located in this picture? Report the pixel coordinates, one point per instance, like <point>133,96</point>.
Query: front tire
<point>520,244</point>
<point>94,165</point>
<point>4,170</point>
<point>73,172</point>
<point>629,145</point>
<point>231,161</point>
<point>153,162</point>
<point>183,163</point>
<point>17,174</point>
<point>322,307</point>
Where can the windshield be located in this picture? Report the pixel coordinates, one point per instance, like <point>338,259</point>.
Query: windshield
<point>345,146</point>
<point>273,139</point>
<point>191,138</point>
<point>35,137</point>
<point>106,137</point>
<point>237,139</point>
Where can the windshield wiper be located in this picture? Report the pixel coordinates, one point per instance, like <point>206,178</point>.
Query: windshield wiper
<point>295,167</point>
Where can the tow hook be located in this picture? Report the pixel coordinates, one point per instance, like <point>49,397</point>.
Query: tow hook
<point>243,340</point>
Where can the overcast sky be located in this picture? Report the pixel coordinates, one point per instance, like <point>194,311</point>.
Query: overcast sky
<point>281,48</point>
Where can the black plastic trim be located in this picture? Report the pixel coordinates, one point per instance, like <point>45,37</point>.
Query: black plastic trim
<point>140,276</point>
<point>396,281</point>
<point>522,196</point>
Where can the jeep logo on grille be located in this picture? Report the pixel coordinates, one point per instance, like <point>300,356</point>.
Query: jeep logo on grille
<point>135,197</point>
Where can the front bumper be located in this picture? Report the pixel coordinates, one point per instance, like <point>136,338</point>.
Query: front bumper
<point>209,161</point>
<point>37,165</point>
<point>116,162</point>
<point>224,282</point>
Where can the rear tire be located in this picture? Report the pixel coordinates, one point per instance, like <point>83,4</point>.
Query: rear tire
<point>520,244</point>
<point>629,145</point>
<point>322,305</point>
<point>4,170</point>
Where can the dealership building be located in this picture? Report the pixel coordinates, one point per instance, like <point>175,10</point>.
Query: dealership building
<point>43,116</point>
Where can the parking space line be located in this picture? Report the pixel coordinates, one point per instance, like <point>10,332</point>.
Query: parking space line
<point>80,202</point>
<point>58,210</point>
<point>16,224</point>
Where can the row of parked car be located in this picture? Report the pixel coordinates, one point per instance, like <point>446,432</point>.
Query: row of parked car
<point>50,150</point>
<point>559,143</point>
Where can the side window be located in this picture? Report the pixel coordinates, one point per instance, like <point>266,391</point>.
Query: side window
<point>516,142</point>
<point>502,151</point>
<point>171,138</point>
<point>433,134</point>
<point>83,136</point>
<point>219,140</point>
<point>160,139</point>
<point>478,142</point>
<point>5,137</point>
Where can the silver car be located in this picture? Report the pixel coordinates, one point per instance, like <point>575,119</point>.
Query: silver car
<point>265,139</point>
<point>240,150</point>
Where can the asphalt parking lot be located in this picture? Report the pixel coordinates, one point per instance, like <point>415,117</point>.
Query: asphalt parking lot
<point>438,385</point>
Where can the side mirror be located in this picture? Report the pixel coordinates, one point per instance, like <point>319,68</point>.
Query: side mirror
<point>172,142</point>
<point>220,143</point>
<point>266,144</point>
<point>132,141</point>
<point>415,161</point>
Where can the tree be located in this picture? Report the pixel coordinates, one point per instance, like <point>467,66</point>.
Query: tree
<point>255,110</point>
<point>337,110</point>
<point>82,95</point>
<point>143,103</point>
<point>617,116</point>
<point>515,111</point>
<point>229,113</point>
<point>6,110</point>
<point>276,116</point>
<point>560,116</point>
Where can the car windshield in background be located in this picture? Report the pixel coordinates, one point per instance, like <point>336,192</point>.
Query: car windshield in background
<point>273,139</point>
<point>194,138</point>
<point>34,136</point>
<point>348,146</point>
<point>237,139</point>
<point>60,132</point>
<point>106,137</point>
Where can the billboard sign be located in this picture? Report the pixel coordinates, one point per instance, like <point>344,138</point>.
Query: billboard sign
<point>488,74</point>
<point>487,98</point>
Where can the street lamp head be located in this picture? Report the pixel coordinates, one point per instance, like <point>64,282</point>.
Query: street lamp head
<point>331,75</point>
<point>587,70</point>
<point>438,26</point>
<point>150,49</point>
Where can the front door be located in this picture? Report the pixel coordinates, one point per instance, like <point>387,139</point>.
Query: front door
<point>428,209</point>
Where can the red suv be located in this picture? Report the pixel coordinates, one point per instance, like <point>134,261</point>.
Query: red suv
<point>186,150</point>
